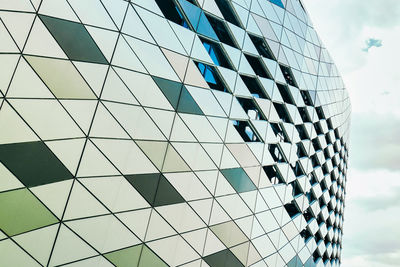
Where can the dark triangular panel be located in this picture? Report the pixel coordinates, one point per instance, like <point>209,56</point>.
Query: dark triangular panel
<point>224,258</point>
<point>171,90</point>
<point>67,33</point>
<point>33,163</point>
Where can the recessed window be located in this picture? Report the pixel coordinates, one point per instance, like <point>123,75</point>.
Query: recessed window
<point>304,114</point>
<point>258,66</point>
<point>283,113</point>
<point>305,233</point>
<point>298,171</point>
<point>288,75</point>
<point>302,132</point>
<point>251,108</point>
<point>221,30</point>
<point>320,113</point>
<point>261,46</point>
<point>246,131</point>
<point>318,128</point>
<point>314,161</point>
<point>254,87</point>
<point>316,144</point>
<point>296,189</point>
<point>306,98</point>
<point>172,12</point>
<point>308,214</point>
<point>212,77</point>
<point>328,139</point>
<point>313,179</point>
<point>279,132</point>
<point>325,169</point>
<point>310,196</point>
<point>316,256</point>
<point>292,210</point>
<point>301,152</point>
<point>216,53</point>
<point>273,174</point>
<point>336,134</point>
<point>329,122</point>
<point>276,153</point>
<point>285,93</point>
<point>228,12</point>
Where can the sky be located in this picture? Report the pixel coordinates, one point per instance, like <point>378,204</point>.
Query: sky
<point>363,39</point>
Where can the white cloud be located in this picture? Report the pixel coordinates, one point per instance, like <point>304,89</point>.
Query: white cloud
<point>372,213</point>
<point>374,141</point>
<point>371,78</point>
<point>371,230</point>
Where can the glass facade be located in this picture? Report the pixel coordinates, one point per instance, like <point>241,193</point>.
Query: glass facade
<point>155,133</point>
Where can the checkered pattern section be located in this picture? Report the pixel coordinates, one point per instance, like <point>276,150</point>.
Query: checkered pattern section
<point>154,133</point>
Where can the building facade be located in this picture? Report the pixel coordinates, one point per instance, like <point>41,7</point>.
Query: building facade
<point>154,133</point>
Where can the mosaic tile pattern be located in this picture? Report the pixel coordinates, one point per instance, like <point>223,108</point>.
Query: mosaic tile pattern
<point>154,133</point>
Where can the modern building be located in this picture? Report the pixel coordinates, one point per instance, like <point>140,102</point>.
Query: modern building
<point>154,133</point>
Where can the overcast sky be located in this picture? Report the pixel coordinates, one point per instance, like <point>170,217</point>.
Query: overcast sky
<point>363,38</point>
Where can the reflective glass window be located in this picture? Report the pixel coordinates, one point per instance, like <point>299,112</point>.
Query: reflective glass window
<point>212,77</point>
<point>216,53</point>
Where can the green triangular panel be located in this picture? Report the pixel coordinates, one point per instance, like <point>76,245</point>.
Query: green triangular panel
<point>125,257</point>
<point>67,33</point>
<point>224,258</point>
<point>171,90</point>
<point>21,211</point>
<point>155,151</point>
<point>33,163</point>
<point>187,104</point>
<point>239,179</point>
<point>149,258</point>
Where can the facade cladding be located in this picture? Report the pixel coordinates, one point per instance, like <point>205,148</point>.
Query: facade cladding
<point>154,133</point>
